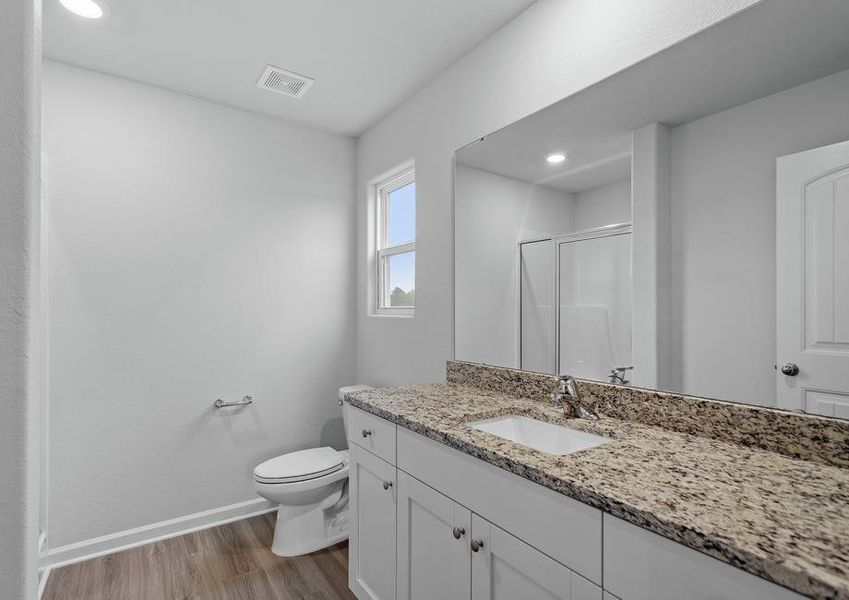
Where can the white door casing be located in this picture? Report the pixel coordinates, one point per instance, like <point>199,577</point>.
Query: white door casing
<point>812,255</point>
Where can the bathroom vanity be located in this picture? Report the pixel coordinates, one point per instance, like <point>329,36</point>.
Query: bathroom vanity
<point>441,509</point>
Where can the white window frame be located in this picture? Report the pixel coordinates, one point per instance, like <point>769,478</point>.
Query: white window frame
<point>383,251</point>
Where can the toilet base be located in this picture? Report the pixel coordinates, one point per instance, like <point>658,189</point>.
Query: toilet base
<point>304,529</point>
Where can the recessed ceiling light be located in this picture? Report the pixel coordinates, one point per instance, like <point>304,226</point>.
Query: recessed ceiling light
<point>84,8</point>
<point>557,157</point>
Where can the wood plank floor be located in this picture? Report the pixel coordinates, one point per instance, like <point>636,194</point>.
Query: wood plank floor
<point>230,562</point>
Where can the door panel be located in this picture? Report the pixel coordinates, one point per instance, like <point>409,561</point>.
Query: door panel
<point>371,573</point>
<point>826,274</point>
<point>813,279</point>
<point>505,568</point>
<point>828,404</point>
<point>432,562</point>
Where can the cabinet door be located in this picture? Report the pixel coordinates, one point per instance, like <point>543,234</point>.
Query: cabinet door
<point>371,572</point>
<point>505,568</point>
<point>640,565</point>
<point>433,544</point>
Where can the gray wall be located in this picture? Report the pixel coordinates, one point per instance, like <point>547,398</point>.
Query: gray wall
<point>20,49</point>
<point>605,205</point>
<point>197,252</point>
<point>493,213</point>
<point>723,234</point>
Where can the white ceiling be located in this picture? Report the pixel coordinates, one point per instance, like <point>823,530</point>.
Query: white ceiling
<point>367,56</point>
<point>771,47</point>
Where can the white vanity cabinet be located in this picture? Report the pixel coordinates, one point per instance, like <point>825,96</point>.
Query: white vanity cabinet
<point>373,502</point>
<point>445,551</point>
<point>439,528</point>
<point>431,522</point>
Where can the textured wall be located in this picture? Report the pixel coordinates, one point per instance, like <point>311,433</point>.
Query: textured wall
<point>197,252</point>
<point>20,57</point>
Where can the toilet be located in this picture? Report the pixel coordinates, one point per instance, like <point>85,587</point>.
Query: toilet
<point>310,488</point>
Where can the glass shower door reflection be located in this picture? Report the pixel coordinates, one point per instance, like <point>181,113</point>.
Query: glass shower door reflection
<point>594,313</point>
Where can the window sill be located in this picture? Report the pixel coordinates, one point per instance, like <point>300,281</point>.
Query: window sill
<point>394,313</point>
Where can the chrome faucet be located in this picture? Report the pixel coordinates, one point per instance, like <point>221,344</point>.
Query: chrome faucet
<point>617,375</point>
<point>569,399</point>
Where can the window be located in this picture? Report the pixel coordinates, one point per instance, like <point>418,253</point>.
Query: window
<point>396,244</point>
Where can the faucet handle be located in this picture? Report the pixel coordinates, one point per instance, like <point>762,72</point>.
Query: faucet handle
<point>617,375</point>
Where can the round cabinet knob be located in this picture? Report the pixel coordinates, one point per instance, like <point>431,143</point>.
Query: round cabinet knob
<point>790,369</point>
<point>367,432</point>
<point>476,545</point>
<point>458,532</point>
<point>387,485</point>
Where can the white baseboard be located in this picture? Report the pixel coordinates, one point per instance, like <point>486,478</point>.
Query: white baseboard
<point>43,574</point>
<point>130,538</point>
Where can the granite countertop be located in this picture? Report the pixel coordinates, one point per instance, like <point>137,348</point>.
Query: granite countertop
<point>781,518</point>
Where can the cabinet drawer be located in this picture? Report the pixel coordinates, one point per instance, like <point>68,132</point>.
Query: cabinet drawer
<point>563,528</point>
<point>372,433</point>
<point>641,565</point>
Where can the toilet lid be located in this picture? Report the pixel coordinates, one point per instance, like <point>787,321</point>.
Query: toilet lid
<point>300,465</point>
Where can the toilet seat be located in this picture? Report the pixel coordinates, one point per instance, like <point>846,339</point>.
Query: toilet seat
<point>302,465</point>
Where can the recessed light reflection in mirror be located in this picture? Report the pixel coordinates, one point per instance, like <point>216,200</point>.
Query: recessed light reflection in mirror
<point>84,8</point>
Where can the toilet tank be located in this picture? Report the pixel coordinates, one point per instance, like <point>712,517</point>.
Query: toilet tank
<point>342,392</point>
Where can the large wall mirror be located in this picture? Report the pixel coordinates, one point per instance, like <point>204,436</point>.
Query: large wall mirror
<point>682,225</point>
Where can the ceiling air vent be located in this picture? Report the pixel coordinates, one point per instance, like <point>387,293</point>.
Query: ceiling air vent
<point>275,79</point>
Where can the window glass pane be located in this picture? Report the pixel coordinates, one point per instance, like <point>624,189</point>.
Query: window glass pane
<point>401,221</point>
<point>401,279</point>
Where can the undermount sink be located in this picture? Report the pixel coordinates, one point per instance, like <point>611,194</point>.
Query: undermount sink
<point>539,435</point>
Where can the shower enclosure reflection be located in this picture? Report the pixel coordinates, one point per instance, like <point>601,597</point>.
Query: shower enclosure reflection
<point>544,271</point>
<point>594,307</point>
<point>586,275</point>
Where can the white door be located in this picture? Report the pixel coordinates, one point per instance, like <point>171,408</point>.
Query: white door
<point>433,544</point>
<point>506,568</point>
<point>813,281</point>
<point>371,572</point>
